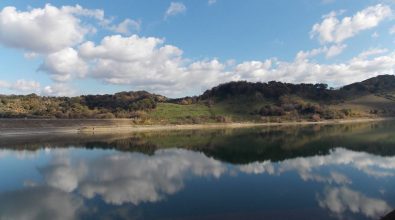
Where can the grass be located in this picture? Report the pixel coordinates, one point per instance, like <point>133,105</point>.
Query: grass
<point>367,103</point>
<point>200,113</point>
<point>175,113</point>
<point>235,110</point>
<point>245,109</point>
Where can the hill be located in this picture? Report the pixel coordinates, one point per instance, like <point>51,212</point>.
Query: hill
<point>234,101</point>
<point>375,85</point>
<point>120,105</point>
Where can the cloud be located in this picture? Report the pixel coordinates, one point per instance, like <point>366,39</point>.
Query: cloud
<point>339,200</point>
<point>22,86</point>
<point>51,29</point>
<point>42,30</point>
<point>64,65</point>
<point>335,50</point>
<point>127,26</point>
<point>303,55</point>
<point>333,30</point>
<point>376,51</point>
<point>25,85</point>
<point>175,8</point>
<point>98,14</point>
<point>59,89</point>
<point>304,70</point>
<point>329,52</point>
<point>205,74</point>
<point>133,60</point>
<point>125,49</point>
<point>148,63</point>
<point>161,68</point>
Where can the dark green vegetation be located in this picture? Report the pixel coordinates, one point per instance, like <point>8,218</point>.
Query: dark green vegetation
<point>119,105</point>
<point>233,101</point>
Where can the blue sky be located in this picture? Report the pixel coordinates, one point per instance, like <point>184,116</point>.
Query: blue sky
<point>179,48</point>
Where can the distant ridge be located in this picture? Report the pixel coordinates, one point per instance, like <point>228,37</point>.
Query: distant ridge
<point>319,91</point>
<point>382,83</point>
<point>232,101</point>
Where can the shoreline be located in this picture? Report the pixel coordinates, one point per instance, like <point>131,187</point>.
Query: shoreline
<point>32,127</point>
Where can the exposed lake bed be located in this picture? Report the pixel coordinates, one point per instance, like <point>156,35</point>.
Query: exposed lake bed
<point>326,171</point>
<point>37,127</point>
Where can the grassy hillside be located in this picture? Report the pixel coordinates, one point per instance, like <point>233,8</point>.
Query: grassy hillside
<point>229,102</point>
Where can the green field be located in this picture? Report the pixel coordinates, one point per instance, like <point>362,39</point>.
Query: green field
<point>174,113</point>
<point>202,113</point>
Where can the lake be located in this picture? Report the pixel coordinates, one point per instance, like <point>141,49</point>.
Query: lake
<point>292,172</point>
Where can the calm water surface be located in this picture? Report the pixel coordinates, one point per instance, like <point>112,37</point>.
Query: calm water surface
<point>313,172</point>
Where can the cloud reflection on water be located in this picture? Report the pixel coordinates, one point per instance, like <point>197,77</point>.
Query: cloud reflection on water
<point>136,178</point>
<point>337,200</point>
<point>131,177</point>
<point>372,165</point>
<point>342,199</point>
<point>39,203</point>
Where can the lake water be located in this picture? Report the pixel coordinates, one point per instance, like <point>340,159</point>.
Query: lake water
<point>310,172</point>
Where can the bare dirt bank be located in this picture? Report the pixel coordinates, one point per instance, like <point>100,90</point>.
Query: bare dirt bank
<point>29,127</point>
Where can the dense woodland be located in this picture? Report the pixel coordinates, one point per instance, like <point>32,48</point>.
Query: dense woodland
<point>234,99</point>
<point>119,105</point>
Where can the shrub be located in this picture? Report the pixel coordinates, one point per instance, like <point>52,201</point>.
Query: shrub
<point>223,119</point>
<point>316,117</point>
<point>270,110</point>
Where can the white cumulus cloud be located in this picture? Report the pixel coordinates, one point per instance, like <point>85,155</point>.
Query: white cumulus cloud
<point>304,70</point>
<point>123,49</point>
<point>59,89</point>
<point>64,65</point>
<point>148,63</point>
<point>333,30</point>
<point>21,86</point>
<point>41,30</point>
